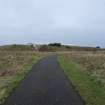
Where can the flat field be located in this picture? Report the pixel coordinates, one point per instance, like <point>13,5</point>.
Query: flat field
<point>14,65</point>
<point>86,70</point>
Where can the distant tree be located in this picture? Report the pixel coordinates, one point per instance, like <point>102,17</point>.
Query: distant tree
<point>55,44</point>
<point>98,47</point>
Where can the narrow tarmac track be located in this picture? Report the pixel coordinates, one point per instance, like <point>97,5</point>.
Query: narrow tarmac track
<point>46,84</point>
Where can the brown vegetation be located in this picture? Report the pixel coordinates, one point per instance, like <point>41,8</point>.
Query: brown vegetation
<point>92,62</point>
<point>14,65</point>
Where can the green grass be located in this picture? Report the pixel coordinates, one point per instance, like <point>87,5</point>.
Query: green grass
<point>90,90</point>
<point>9,82</point>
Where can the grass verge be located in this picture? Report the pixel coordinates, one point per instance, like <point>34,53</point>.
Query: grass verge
<point>8,83</point>
<point>86,85</point>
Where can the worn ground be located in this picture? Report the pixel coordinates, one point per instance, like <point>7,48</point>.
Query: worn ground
<point>45,85</point>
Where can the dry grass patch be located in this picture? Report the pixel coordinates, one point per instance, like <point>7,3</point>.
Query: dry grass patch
<point>14,65</point>
<point>92,63</point>
<point>86,70</point>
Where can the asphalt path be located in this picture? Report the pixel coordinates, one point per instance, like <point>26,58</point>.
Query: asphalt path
<point>46,84</point>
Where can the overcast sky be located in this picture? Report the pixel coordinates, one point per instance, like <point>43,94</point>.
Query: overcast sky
<point>78,22</point>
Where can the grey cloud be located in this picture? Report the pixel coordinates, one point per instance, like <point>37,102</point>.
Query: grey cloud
<point>79,22</point>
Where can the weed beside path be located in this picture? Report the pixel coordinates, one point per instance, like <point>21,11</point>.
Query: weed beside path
<point>87,85</point>
<point>14,65</point>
